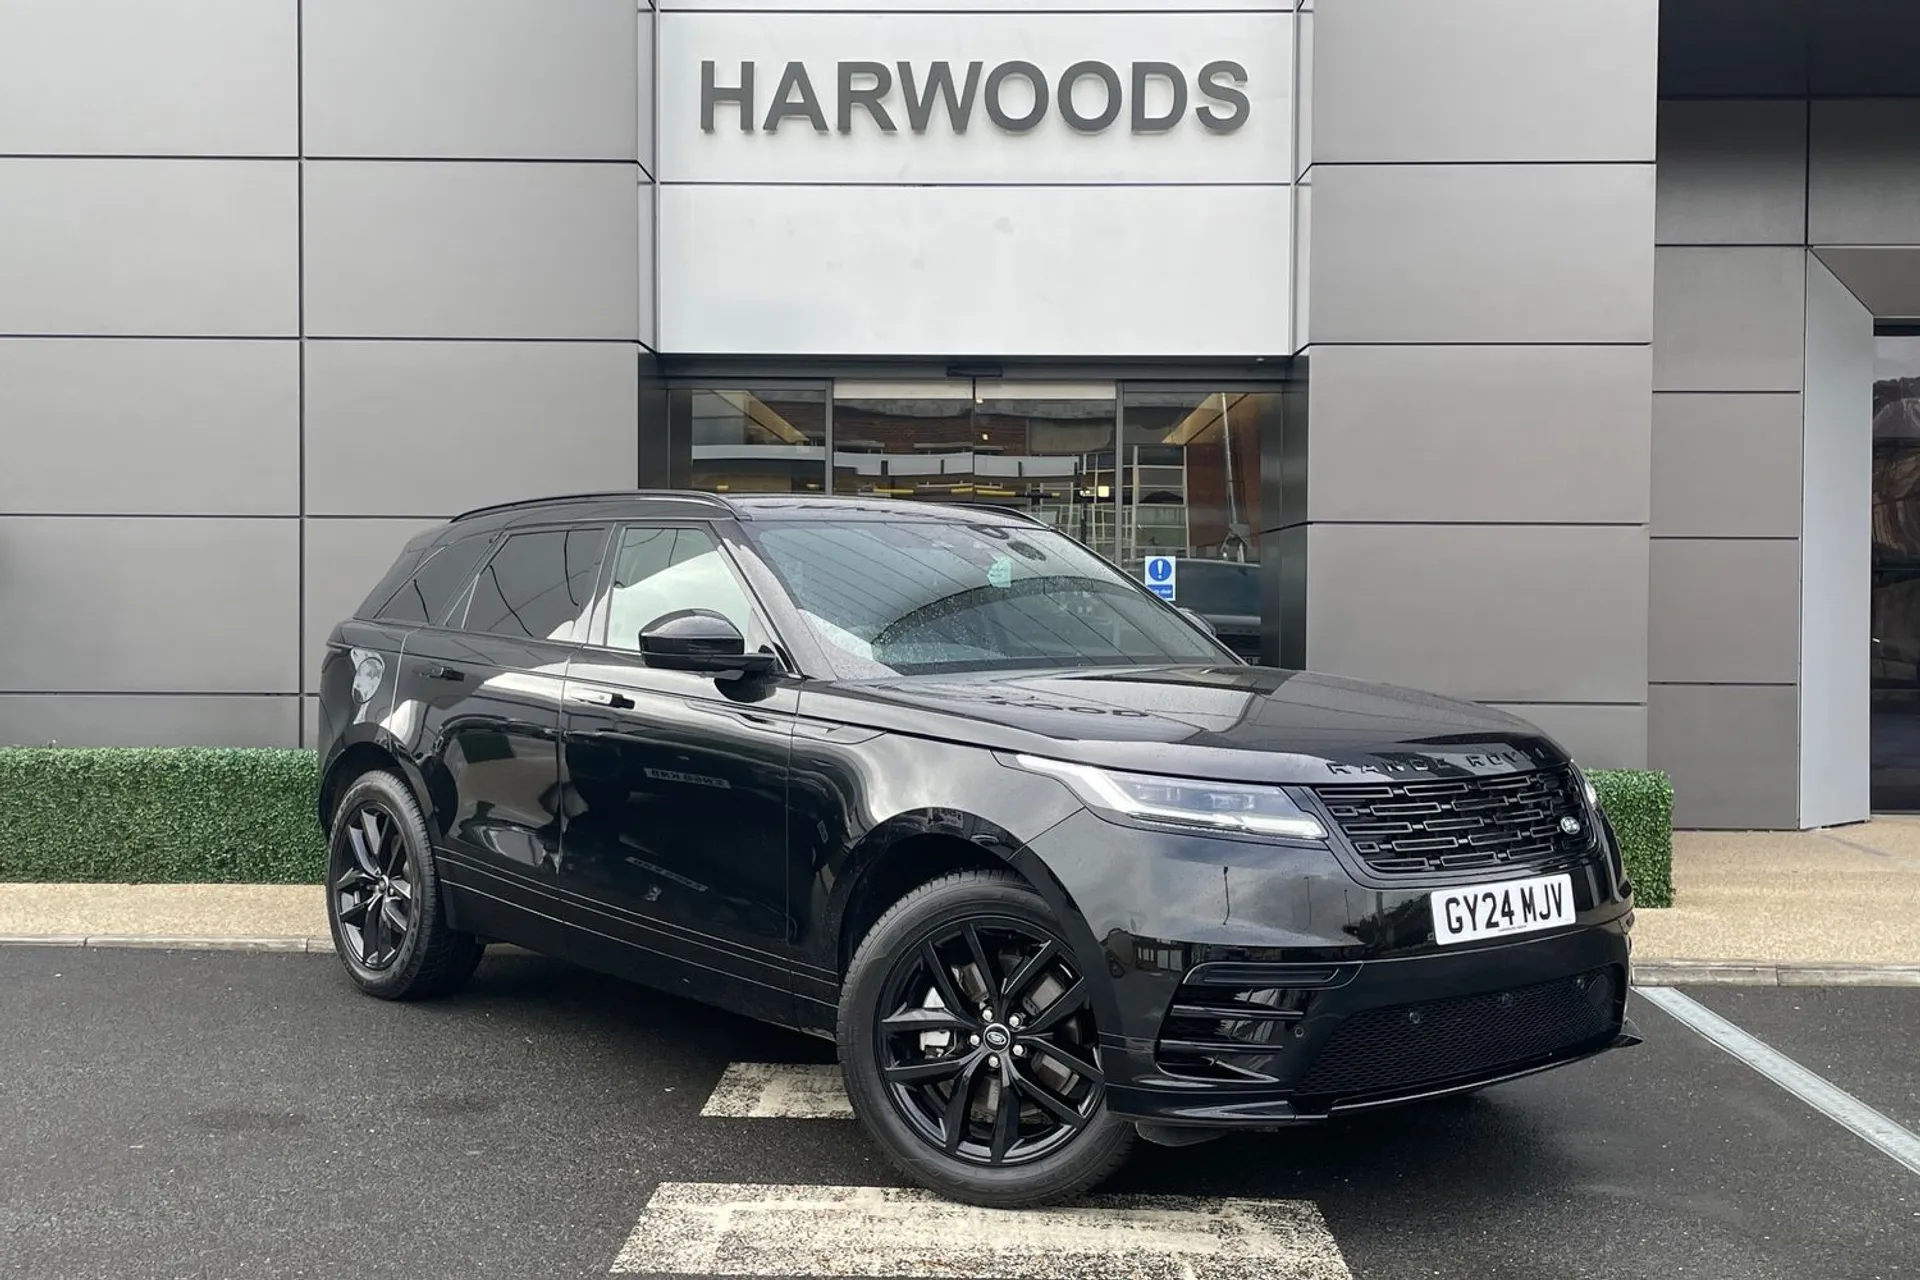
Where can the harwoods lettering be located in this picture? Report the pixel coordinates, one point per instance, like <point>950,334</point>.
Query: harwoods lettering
<point>869,87</point>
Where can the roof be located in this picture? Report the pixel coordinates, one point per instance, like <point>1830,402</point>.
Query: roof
<point>764,506</point>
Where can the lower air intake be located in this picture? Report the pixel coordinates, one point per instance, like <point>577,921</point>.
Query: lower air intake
<point>1380,1052</point>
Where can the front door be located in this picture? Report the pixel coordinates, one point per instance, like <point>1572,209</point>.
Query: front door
<point>675,829</point>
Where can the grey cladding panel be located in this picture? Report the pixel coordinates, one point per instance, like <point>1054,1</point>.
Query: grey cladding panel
<point>149,247</point>
<point>345,558</point>
<point>149,77</point>
<point>1484,80</point>
<point>1556,435</point>
<point>455,79</point>
<point>472,250</point>
<point>132,427</point>
<point>430,428</point>
<point>1543,615</point>
<point>149,605</point>
<point>1611,737</point>
<point>1724,611</point>
<point>1726,466</point>
<point>150,720</point>
<point>1729,319</point>
<point>1864,185</point>
<point>1731,752</point>
<point>1732,173</point>
<point>1482,253</point>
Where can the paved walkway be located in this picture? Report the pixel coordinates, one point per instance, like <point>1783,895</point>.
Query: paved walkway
<point>1763,907</point>
<point>1850,895</point>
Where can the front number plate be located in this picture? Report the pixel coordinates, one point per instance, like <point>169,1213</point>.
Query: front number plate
<point>1494,910</point>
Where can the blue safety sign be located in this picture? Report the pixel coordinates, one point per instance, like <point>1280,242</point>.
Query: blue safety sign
<point>1160,576</point>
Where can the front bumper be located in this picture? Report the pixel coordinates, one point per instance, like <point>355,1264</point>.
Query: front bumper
<point>1375,1033</point>
<point>1252,986</point>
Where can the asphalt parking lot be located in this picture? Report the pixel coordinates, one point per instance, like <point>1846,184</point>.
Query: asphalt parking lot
<point>183,1114</point>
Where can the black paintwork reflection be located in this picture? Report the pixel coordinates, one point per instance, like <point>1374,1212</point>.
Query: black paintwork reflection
<point>480,717</point>
<point>1246,723</point>
<point>677,806</point>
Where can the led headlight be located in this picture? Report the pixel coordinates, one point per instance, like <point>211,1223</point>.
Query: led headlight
<point>1586,788</point>
<point>1246,808</point>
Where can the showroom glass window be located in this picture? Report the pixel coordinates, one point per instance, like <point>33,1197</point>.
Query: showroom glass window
<point>1896,574</point>
<point>750,438</point>
<point>1042,448</point>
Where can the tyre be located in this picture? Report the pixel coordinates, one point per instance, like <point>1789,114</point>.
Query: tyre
<point>967,1038</point>
<point>383,897</point>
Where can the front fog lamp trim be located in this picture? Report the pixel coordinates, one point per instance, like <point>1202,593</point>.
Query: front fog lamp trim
<point>1244,808</point>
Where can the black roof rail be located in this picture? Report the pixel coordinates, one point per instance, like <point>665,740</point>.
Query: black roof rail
<point>684,495</point>
<point>905,504</point>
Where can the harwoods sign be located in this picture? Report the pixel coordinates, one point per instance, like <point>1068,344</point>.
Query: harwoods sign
<point>1215,93</point>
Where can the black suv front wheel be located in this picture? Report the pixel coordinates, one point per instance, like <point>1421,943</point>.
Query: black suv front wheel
<point>967,1038</point>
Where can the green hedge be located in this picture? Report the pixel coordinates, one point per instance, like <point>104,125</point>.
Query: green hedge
<point>200,815</point>
<point>1640,805</point>
<point>160,815</point>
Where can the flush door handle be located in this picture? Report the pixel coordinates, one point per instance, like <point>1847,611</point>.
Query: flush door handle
<point>602,698</point>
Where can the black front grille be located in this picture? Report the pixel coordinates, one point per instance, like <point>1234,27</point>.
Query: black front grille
<point>1460,824</point>
<point>1380,1052</point>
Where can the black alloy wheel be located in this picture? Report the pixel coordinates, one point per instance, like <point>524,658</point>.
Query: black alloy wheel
<point>986,1051</point>
<point>969,1044</point>
<point>383,897</point>
<point>374,896</point>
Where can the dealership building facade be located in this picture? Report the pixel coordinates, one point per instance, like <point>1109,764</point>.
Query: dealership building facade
<point>1557,356</point>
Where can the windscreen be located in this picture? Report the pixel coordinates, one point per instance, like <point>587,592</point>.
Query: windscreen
<point>904,597</point>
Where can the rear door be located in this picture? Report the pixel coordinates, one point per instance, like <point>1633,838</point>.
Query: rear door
<point>675,838</point>
<point>482,716</point>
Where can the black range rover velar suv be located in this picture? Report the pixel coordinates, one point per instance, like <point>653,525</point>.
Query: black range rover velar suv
<point>1054,868</point>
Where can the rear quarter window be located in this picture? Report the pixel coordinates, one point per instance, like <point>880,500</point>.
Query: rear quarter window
<point>424,597</point>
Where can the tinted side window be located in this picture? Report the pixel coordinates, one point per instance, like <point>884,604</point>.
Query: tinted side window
<point>397,573</point>
<point>661,571</point>
<point>425,597</point>
<point>537,584</point>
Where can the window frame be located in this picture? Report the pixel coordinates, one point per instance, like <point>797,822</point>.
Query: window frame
<point>593,636</point>
<point>464,601</point>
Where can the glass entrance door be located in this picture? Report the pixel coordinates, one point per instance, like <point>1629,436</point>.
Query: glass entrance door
<point>1045,448</point>
<point>1896,575</point>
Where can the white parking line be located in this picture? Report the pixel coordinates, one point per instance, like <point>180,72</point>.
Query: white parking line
<point>1816,1091</point>
<point>779,1091</point>
<point>722,1229</point>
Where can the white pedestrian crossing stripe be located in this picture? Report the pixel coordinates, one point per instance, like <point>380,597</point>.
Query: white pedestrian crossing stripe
<point>725,1229</point>
<point>780,1091</point>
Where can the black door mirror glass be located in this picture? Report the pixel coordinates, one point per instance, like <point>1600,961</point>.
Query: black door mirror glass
<point>699,640</point>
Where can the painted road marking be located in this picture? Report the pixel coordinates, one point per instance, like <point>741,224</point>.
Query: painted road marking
<point>1816,1091</point>
<point>780,1091</point>
<point>694,1228</point>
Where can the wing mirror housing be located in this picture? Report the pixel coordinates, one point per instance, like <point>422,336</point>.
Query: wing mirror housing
<point>701,640</point>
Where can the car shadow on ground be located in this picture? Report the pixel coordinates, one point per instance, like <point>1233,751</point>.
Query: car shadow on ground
<point>1484,1140</point>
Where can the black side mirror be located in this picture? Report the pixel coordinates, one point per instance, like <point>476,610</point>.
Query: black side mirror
<point>700,640</point>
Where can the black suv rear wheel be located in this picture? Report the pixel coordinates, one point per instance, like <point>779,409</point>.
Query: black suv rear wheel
<point>383,897</point>
<point>968,1042</point>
